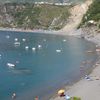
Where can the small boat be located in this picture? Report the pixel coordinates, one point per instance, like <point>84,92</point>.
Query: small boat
<point>23,40</point>
<point>16,39</point>
<point>17,43</point>
<point>39,46</point>
<point>98,50</point>
<point>89,51</point>
<point>26,47</point>
<point>58,51</point>
<point>33,49</point>
<point>64,40</point>
<point>10,65</point>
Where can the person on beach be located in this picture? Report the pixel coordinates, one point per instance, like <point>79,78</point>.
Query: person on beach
<point>36,98</point>
<point>87,77</point>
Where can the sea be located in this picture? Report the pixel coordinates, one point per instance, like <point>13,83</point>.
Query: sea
<point>38,64</point>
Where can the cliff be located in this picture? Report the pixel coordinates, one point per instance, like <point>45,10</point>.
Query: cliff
<point>33,16</point>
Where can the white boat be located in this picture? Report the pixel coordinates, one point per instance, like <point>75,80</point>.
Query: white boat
<point>33,49</point>
<point>39,46</point>
<point>23,40</point>
<point>26,47</point>
<point>98,50</point>
<point>64,40</point>
<point>16,39</point>
<point>10,65</point>
<point>17,43</point>
<point>58,50</point>
<point>90,51</point>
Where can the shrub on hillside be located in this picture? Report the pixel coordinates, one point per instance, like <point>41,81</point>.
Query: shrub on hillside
<point>75,98</point>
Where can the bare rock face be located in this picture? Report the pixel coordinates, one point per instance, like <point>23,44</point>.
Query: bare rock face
<point>33,16</point>
<point>5,17</point>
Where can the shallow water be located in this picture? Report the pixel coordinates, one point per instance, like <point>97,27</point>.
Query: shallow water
<point>43,70</point>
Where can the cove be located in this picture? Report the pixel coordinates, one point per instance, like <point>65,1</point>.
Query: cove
<point>55,62</point>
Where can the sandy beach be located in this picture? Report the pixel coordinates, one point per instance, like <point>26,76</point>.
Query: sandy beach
<point>86,89</point>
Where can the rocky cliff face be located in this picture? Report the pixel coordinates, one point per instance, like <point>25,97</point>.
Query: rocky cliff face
<point>31,1</point>
<point>5,17</point>
<point>30,16</point>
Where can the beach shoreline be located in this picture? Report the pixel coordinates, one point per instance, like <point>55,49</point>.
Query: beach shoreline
<point>83,87</point>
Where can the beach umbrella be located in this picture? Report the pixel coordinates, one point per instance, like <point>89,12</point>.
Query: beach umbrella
<point>61,91</point>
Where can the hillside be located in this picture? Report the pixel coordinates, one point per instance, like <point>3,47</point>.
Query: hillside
<point>32,1</point>
<point>92,17</point>
<point>27,15</point>
<point>30,16</point>
<point>75,19</point>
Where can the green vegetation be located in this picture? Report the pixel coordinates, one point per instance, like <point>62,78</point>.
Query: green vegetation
<point>75,98</point>
<point>32,1</point>
<point>30,16</point>
<point>92,14</point>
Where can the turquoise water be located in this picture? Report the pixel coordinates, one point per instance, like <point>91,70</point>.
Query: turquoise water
<point>40,72</point>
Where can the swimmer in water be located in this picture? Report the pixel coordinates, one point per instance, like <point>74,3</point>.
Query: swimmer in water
<point>13,96</point>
